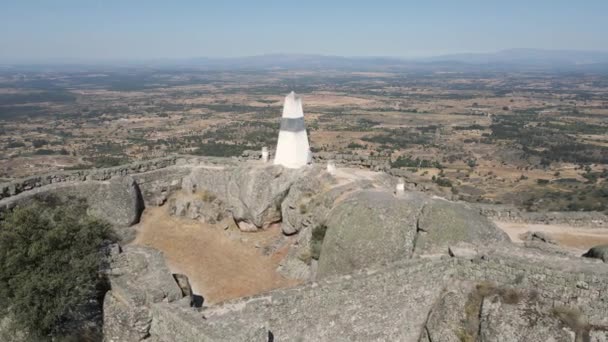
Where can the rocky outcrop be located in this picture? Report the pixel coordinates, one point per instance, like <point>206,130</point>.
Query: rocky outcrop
<point>138,279</point>
<point>377,263</point>
<point>305,211</point>
<point>516,315</point>
<point>375,227</point>
<point>202,206</point>
<point>157,185</point>
<point>598,252</point>
<point>494,298</point>
<point>117,201</point>
<point>486,311</point>
<point>538,237</point>
<point>368,229</point>
<point>305,204</point>
<point>447,320</point>
<point>184,285</point>
<point>443,223</point>
<point>253,194</point>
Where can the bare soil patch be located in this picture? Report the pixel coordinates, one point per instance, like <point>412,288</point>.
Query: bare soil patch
<point>221,264</point>
<point>579,239</point>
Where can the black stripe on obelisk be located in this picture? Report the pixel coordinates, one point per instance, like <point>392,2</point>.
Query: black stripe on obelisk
<point>292,125</point>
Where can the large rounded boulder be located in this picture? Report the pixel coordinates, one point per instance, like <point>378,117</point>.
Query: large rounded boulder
<point>598,252</point>
<point>117,201</point>
<point>255,195</point>
<point>372,227</point>
<point>369,228</point>
<point>443,223</point>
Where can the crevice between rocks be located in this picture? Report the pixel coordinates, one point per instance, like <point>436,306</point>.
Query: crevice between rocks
<point>425,329</point>
<point>418,229</point>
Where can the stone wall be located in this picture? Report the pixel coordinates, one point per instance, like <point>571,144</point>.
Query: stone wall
<point>571,218</point>
<point>152,176</point>
<point>376,162</point>
<point>29,183</point>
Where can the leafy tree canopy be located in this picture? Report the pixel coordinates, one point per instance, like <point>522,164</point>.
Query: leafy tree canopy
<point>49,265</point>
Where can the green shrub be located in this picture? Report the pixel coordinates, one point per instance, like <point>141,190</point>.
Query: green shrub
<point>212,149</point>
<point>15,144</point>
<point>49,266</point>
<point>354,145</point>
<point>444,182</point>
<point>404,161</point>
<point>38,143</point>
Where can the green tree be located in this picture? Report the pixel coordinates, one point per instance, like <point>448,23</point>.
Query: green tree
<point>49,266</point>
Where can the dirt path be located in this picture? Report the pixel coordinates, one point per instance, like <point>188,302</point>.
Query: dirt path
<point>221,264</point>
<point>579,239</point>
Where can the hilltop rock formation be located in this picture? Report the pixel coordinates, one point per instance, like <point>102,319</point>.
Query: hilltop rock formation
<point>376,265</point>
<point>373,227</point>
<point>138,279</point>
<point>253,195</point>
<point>443,223</point>
<point>117,201</point>
<point>598,252</point>
<point>498,298</point>
<point>368,229</point>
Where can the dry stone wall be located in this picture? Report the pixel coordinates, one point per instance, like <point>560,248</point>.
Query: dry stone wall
<point>571,218</point>
<point>15,187</point>
<point>116,194</point>
<point>373,162</point>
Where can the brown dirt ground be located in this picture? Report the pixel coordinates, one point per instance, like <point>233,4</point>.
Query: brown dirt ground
<point>578,239</point>
<point>220,264</point>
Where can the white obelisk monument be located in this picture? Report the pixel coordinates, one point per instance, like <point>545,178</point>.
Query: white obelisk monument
<point>293,150</point>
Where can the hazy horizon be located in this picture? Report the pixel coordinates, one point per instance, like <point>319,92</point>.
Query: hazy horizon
<point>70,30</point>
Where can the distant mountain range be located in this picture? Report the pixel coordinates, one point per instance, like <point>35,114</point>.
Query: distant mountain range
<point>513,59</point>
<point>528,57</point>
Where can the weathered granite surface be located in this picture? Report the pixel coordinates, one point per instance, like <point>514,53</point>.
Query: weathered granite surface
<point>369,228</point>
<point>598,252</point>
<point>443,223</point>
<point>138,278</point>
<point>380,276</point>
<point>252,193</point>
<point>118,201</point>
<point>415,300</point>
<point>29,183</point>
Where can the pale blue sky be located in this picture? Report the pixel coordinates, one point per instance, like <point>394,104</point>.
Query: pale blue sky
<point>149,29</point>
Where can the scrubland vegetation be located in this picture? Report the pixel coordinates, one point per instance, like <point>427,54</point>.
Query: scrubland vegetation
<point>537,140</point>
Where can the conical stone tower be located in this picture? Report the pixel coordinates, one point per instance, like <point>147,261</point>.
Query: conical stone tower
<point>293,150</point>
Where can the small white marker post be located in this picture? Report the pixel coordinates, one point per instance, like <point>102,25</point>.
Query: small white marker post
<point>331,167</point>
<point>264,154</point>
<point>400,187</point>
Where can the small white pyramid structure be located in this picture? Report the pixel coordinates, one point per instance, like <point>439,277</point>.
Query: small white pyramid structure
<point>293,150</point>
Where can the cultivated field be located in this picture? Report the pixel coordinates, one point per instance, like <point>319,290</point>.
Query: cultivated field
<point>537,140</point>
